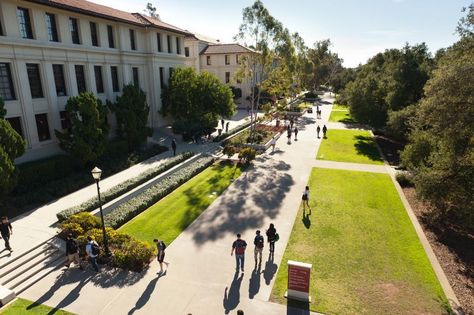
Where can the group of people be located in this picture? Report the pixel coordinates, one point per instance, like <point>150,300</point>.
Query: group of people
<point>289,131</point>
<point>239,246</point>
<point>324,129</point>
<point>73,253</point>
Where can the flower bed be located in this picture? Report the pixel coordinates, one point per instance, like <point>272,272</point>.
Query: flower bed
<point>124,187</point>
<point>131,208</point>
<point>262,135</point>
<point>127,252</point>
<point>232,131</point>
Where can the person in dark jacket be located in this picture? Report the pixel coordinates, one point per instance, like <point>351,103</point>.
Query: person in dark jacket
<point>173,146</point>
<point>271,237</point>
<point>325,129</point>
<point>160,256</point>
<point>6,231</point>
<point>318,130</point>
<point>296,133</point>
<point>72,252</point>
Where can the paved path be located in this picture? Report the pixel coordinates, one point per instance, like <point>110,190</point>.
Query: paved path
<point>200,278</point>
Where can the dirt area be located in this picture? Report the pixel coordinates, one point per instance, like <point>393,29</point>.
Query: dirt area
<point>453,247</point>
<point>390,148</point>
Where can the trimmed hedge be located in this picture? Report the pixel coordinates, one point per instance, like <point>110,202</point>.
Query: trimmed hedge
<point>124,187</point>
<point>231,132</point>
<point>131,208</point>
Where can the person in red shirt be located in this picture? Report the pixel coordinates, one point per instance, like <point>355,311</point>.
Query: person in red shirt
<point>239,247</point>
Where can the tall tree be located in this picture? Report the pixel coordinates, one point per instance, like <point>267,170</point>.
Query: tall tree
<point>86,138</point>
<point>324,64</point>
<point>151,10</point>
<point>440,153</point>
<point>12,146</point>
<point>132,110</point>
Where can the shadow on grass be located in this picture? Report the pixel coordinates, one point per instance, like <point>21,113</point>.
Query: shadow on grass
<point>252,199</point>
<point>366,146</point>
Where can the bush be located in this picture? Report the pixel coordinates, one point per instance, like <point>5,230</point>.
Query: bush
<point>124,187</point>
<point>127,252</point>
<point>247,155</point>
<point>404,179</point>
<point>229,150</point>
<point>131,208</point>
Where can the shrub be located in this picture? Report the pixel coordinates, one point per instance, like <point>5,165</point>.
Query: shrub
<point>404,179</point>
<point>131,208</point>
<point>124,187</point>
<point>231,132</point>
<point>247,155</point>
<point>229,150</point>
<point>127,252</point>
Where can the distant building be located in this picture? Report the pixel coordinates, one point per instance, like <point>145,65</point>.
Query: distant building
<point>51,50</point>
<point>223,60</point>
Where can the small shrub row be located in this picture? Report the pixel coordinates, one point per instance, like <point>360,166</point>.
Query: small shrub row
<point>127,252</point>
<point>231,132</point>
<point>246,154</point>
<point>124,187</point>
<point>405,179</point>
<point>131,208</point>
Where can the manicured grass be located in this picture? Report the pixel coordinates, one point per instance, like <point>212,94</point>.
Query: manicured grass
<point>170,216</point>
<point>366,256</point>
<point>25,307</point>
<point>356,146</point>
<point>340,107</point>
<point>341,113</point>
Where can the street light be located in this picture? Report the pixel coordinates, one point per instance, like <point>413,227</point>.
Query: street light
<point>96,173</point>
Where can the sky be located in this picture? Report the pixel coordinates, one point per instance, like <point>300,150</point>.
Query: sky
<point>358,29</point>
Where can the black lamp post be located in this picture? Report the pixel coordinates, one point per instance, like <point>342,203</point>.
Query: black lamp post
<point>96,173</point>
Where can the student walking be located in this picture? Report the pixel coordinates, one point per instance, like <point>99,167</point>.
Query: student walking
<point>305,198</point>
<point>160,256</point>
<point>272,237</point>
<point>222,123</point>
<point>93,251</point>
<point>239,247</point>
<point>318,130</point>
<point>296,133</point>
<point>273,143</point>
<point>6,231</point>
<point>288,134</point>
<point>325,129</point>
<point>227,127</point>
<point>258,242</point>
<point>173,146</point>
<point>72,252</point>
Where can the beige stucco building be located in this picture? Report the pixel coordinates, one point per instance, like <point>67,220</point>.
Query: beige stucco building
<point>51,50</point>
<point>223,60</point>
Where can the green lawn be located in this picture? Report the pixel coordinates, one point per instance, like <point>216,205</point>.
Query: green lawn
<point>25,307</point>
<point>365,253</point>
<point>340,107</point>
<point>170,216</point>
<point>340,113</point>
<point>356,146</point>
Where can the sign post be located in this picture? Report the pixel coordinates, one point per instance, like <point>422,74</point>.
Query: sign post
<point>299,275</point>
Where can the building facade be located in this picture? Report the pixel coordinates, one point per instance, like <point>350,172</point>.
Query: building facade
<point>223,60</point>
<point>52,50</point>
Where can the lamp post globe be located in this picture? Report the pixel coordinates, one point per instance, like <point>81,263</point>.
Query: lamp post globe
<point>96,173</point>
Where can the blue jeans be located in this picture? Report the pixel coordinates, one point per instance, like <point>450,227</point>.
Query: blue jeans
<point>241,259</point>
<point>93,261</point>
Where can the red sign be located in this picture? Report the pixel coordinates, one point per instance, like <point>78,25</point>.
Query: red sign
<point>298,278</point>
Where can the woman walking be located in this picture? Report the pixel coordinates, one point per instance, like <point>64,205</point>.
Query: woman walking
<point>272,238</point>
<point>305,199</point>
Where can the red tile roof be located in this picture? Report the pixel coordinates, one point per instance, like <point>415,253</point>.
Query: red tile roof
<point>98,10</point>
<point>225,49</point>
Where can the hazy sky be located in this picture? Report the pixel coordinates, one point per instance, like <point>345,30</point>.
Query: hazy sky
<point>358,29</point>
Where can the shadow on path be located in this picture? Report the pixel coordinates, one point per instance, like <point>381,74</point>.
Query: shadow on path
<point>255,196</point>
<point>297,308</point>
<point>270,270</point>
<point>145,297</point>
<point>232,295</point>
<point>254,282</point>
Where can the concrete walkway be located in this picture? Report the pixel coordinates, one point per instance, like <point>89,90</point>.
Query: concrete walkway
<point>200,278</point>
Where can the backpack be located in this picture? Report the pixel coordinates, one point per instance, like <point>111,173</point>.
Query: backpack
<point>95,249</point>
<point>161,246</point>
<point>240,248</point>
<point>259,241</point>
<point>277,237</point>
<point>73,246</point>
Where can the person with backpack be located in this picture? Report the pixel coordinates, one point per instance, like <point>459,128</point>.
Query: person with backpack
<point>325,129</point>
<point>258,242</point>
<point>72,252</point>
<point>160,256</point>
<point>93,251</point>
<point>272,237</point>
<point>239,247</point>
<point>6,231</point>
<point>173,146</point>
<point>305,198</point>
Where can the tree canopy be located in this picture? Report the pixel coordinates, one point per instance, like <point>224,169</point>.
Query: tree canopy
<point>86,138</point>
<point>132,110</point>
<point>12,146</point>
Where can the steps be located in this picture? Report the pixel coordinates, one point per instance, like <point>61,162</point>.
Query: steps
<point>23,271</point>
